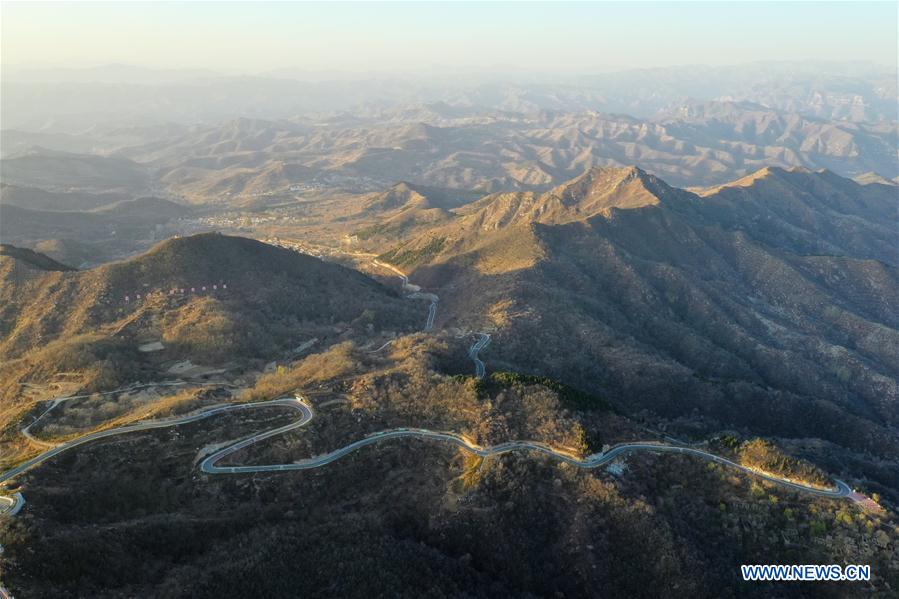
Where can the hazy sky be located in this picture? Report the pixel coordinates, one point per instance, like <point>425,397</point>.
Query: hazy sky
<point>253,37</point>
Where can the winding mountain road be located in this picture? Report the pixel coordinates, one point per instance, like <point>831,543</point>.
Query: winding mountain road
<point>26,431</point>
<point>432,312</point>
<point>11,505</point>
<point>374,351</point>
<point>14,503</point>
<point>480,368</point>
<point>432,308</point>
<point>414,291</point>
<point>209,464</point>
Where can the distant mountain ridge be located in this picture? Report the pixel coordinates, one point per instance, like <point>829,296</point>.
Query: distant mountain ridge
<point>508,151</point>
<point>599,190</point>
<point>850,91</point>
<point>672,301</point>
<point>410,195</point>
<point>66,171</point>
<point>39,199</point>
<point>130,220</point>
<point>406,209</point>
<point>464,145</point>
<point>34,259</point>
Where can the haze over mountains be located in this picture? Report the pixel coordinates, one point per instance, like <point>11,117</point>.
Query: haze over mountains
<point>698,257</point>
<point>852,91</point>
<point>471,149</point>
<point>763,307</point>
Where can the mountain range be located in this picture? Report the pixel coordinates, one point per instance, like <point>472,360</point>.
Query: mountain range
<point>592,264</point>
<point>87,237</point>
<point>473,149</point>
<point>93,320</point>
<point>767,304</point>
<point>619,308</point>
<point>405,209</point>
<point>698,144</point>
<point>54,170</point>
<point>78,100</point>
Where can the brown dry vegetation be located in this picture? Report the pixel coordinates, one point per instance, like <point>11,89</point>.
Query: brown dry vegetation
<point>76,418</point>
<point>413,517</point>
<point>762,455</point>
<point>764,306</point>
<point>338,361</point>
<point>78,323</point>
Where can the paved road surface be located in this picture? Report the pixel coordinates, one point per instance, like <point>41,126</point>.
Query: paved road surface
<point>432,314</point>
<point>479,368</point>
<point>208,465</point>
<point>432,309</point>
<point>374,351</point>
<point>414,292</point>
<point>12,504</point>
<point>139,426</point>
<point>26,431</point>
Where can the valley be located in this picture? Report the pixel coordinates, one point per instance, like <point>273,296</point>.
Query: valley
<point>601,198</point>
<point>449,332</point>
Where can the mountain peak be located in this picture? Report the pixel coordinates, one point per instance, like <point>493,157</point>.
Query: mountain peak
<point>403,195</point>
<point>404,187</point>
<point>398,195</point>
<point>873,178</point>
<point>596,192</point>
<point>600,189</point>
<point>212,258</point>
<point>768,173</point>
<point>33,259</point>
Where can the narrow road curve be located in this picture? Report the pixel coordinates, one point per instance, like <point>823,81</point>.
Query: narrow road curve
<point>432,312</point>
<point>374,351</point>
<point>208,464</point>
<point>148,425</point>
<point>432,309</point>
<point>26,431</point>
<point>479,368</point>
<point>414,292</point>
<point>13,503</point>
